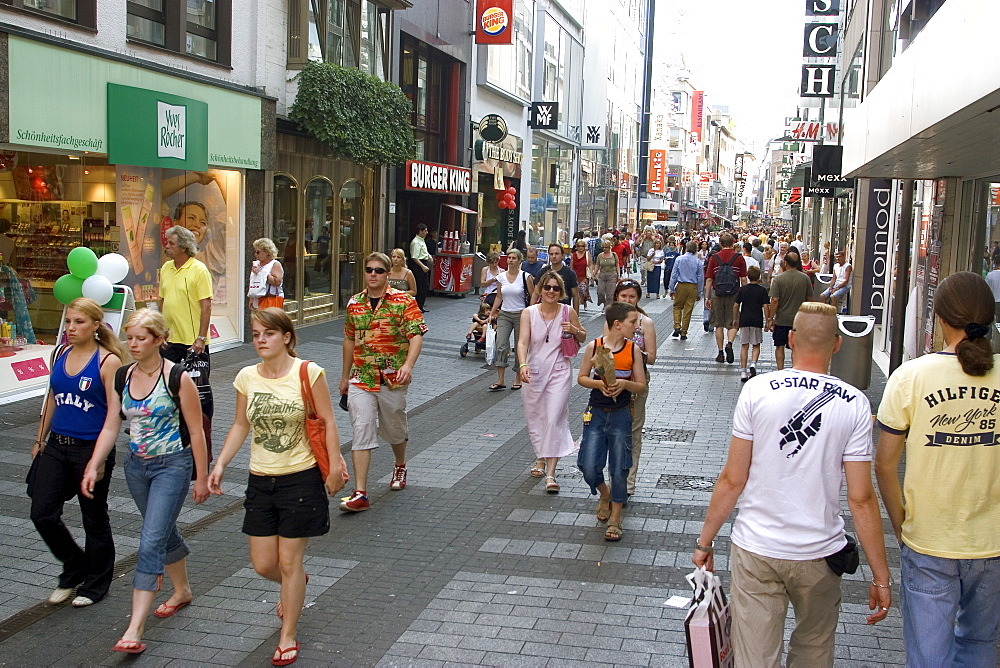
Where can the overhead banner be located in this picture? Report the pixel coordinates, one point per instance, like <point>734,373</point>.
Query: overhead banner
<point>876,270</point>
<point>657,171</point>
<point>827,166</point>
<point>697,113</point>
<point>494,21</point>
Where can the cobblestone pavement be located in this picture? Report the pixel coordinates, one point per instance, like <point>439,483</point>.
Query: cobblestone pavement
<point>471,564</point>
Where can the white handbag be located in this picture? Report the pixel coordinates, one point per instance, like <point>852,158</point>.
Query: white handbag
<point>258,281</point>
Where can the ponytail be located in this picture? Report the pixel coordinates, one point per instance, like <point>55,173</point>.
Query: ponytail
<point>107,339</point>
<point>965,301</point>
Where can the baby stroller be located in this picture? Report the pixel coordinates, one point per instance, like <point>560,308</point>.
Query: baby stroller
<point>477,332</point>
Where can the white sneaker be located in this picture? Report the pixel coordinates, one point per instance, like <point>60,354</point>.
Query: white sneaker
<point>59,595</point>
<point>744,375</point>
<point>82,602</point>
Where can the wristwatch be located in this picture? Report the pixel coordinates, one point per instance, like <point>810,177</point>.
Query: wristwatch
<point>202,339</point>
<point>710,548</point>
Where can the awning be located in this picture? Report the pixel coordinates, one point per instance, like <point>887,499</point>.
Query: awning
<point>461,209</point>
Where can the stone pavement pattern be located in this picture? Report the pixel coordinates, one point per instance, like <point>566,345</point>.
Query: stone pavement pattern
<point>472,564</point>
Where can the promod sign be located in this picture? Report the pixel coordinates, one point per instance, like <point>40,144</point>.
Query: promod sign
<point>494,22</point>
<point>432,177</point>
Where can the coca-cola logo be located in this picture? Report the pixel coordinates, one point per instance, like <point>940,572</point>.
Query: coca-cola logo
<point>444,279</point>
<point>466,273</point>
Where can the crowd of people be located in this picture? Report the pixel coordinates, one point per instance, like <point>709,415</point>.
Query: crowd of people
<point>798,433</point>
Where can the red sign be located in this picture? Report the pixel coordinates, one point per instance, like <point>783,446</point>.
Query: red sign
<point>494,22</point>
<point>707,177</point>
<point>697,113</point>
<point>430,176</point>
<point>29,369</point>
<point>657,171</point>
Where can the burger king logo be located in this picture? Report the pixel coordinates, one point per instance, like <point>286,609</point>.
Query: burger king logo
<point>494,21</point>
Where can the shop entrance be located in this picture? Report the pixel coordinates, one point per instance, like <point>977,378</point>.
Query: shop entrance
<point>351,244</point>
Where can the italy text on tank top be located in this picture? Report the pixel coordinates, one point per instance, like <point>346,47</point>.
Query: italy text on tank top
<point>623,371</point>
<point>81,402</point>
<point>154,421</point>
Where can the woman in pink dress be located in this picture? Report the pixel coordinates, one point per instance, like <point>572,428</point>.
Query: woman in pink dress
<point>547,375</point>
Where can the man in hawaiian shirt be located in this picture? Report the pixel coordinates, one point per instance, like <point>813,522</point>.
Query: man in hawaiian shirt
<point>383,335</point>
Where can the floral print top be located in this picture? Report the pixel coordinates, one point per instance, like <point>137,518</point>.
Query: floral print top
<point>381,337</point>
<point>154,421</point>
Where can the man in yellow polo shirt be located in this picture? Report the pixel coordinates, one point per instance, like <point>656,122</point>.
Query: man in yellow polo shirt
<point>185,296</point>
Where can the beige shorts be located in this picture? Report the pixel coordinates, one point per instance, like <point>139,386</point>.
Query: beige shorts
<point>385,408</point>
<point>752,335</point>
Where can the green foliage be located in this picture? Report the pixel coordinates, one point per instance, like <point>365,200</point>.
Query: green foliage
<point>358,116</point>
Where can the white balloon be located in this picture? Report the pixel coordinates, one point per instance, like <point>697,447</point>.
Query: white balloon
<point>113,267</point>
<point>98,288</point>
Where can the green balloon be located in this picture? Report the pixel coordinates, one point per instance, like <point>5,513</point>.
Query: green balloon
<point>82,262</point>
<point>67,288</point>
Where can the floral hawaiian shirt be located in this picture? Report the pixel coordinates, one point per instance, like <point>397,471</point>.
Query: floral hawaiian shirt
<point>381,338</point>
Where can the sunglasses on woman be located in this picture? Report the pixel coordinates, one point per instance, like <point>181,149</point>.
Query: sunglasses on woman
<point>550,288</point>
<point>375,270</point>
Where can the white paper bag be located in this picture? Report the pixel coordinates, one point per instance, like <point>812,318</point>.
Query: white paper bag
<point>707,625</point>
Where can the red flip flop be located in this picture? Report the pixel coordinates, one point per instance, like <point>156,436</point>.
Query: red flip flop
<point>166,610</point>
<point>282,652</point>
<point>129,646</point>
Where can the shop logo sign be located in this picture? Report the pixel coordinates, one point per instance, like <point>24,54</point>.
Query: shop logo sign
<point>495,21</point>
<point>171,122</point>
<point>594,134</point>
<point>543,116</point>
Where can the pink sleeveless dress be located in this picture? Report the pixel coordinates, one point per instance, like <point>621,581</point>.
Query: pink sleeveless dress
<point>546,397</point>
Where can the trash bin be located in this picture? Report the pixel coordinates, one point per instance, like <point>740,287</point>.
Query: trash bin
<point>853,362</point>
<point>821,283</point>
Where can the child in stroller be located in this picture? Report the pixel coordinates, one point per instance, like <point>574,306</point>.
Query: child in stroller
<point>477,332</point>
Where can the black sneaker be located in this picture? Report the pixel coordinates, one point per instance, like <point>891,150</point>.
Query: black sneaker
<point>721,357</point>
<point>706,326</point>
<point>676,334</point>
<point>684,337</point>
<point>729,353</point>
<point>753,371</point>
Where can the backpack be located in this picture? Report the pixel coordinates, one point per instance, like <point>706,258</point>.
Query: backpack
<point>173,389</point>
<point>726,282</point>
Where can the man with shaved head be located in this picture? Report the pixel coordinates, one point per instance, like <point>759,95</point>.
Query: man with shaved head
<point>797,434</point>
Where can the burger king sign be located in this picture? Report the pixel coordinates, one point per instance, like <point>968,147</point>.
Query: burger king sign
<point>494,24</point>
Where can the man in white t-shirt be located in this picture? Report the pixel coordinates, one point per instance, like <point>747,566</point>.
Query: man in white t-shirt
<point>798,244</point>
<point>841,283</point>
<point>797,434</point>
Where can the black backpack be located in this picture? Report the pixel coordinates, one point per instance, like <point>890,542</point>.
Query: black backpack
<point>726,283</point>
<point>173,389</point>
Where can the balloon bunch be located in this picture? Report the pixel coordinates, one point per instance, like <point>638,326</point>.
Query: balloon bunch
<point>89,276</point>
<point>507,199</point>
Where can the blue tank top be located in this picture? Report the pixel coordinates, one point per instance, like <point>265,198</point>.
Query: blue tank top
<point>81,404</point>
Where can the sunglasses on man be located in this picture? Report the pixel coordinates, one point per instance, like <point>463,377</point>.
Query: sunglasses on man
<point>375,270</point>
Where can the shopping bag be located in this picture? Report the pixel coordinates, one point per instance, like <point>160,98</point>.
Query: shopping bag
<point>707,624</point>
<point>491,343</point>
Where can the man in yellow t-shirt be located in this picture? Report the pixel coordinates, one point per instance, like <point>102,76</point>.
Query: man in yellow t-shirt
<point>946,515</point>
<point>185,296</point>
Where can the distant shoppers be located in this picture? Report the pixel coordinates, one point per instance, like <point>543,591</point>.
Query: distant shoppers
<point>670,255</point>
<point>748,256</point>
<point>643,245</point>
<point>286,497</point>
<point>725,273</point>
<point>532,264</point>
<point>607,424</point>
<point>583,267</point>
<point>158,466</point>
<point>687,286</point>
<point>383,335</point>
<point>797,434</point>
<point>548,375</point>
<point>751,302</point>
<point>512,297</point>
<point>607,274</point>
<point>80,389</point>
<point>273,275</point>
<point>841,283</point>
<point>993,280</point>
<point>401,278</point>
<point>788,290</point>
<point>557,263</point>
<point>421,264</point>
<point>946,513</point>
<point>629,292</point>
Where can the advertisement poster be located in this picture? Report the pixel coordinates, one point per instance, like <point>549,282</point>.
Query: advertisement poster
<point>151,201</point>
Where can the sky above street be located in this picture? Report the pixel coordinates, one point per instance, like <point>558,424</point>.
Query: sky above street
<point>745,54</point>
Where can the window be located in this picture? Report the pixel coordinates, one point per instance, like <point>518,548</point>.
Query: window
<point>511,68</point>
<point>81,12</point>
<point>349,33</point>
<point>422,78</point>
<point>198,28</point>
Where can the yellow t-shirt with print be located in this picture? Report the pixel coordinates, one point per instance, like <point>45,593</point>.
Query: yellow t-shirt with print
<point>276,412</point>
<point>951,487</point>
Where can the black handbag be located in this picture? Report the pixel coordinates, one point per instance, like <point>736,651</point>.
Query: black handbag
<point>32,473</point>
<point>846,560</point>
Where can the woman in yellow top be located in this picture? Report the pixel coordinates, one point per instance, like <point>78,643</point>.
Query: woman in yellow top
<point>286,501</point>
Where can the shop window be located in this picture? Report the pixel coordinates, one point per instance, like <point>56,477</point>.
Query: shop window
<point>351,240</point>
<point>511,69</point>
<point>198,28</point>
<point>374,40</point>
<point>80,12</point>
<point>319,242</point>
<point>422,80</point>
<point>349,33</point>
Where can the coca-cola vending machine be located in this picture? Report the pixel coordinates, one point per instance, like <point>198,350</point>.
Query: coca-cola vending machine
<point>453,262</point>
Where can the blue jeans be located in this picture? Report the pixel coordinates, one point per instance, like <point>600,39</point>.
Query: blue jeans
<point>158,485</point>
<point>951,610</point>
<point>607,441</point>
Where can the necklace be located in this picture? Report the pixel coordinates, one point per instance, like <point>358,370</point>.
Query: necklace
<point>150,374</point>
<point>548,327</point>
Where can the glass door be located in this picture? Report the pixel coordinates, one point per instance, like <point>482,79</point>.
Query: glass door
<point>351,241</point>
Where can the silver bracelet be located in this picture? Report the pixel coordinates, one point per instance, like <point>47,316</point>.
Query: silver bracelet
<point>885,586</point>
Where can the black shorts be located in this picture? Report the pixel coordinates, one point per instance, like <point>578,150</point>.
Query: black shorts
<point>780,335</point>
<point>290,506</point>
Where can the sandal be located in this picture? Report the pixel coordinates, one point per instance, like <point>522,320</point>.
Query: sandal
<point>282,660</point>
<point>496,387</point>
<point>614,532</point>
<point>551,486</point>
<point>515,386</point>
<point>538,470</point>
<point>604,509</point>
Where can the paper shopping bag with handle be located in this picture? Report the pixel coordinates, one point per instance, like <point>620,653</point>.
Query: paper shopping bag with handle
<point>707,624</point>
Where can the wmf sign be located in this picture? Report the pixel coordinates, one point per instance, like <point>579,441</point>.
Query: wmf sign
<point>820,42</point>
